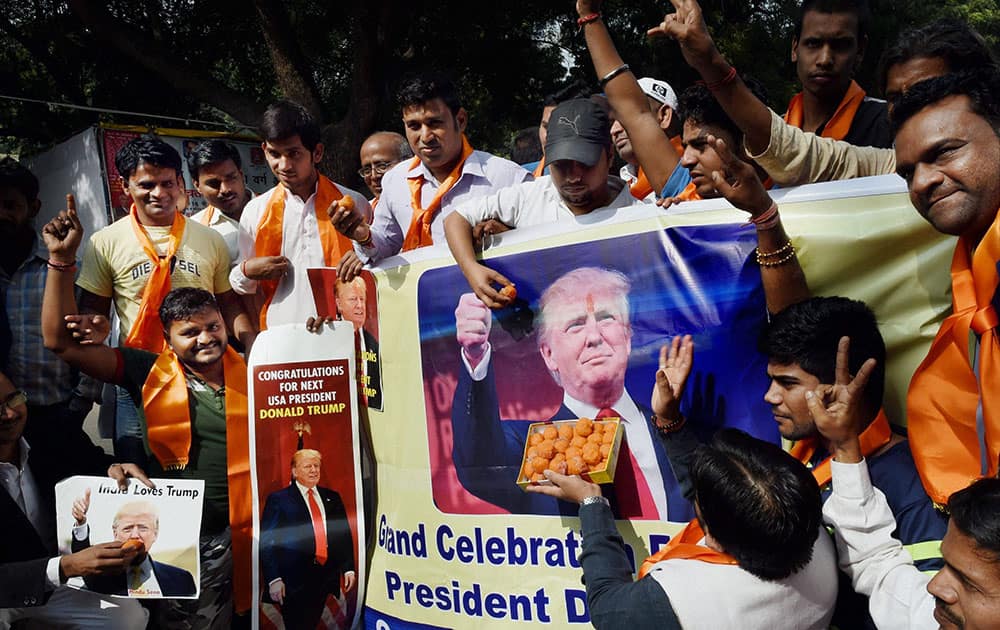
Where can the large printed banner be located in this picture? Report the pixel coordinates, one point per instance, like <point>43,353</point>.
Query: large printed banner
<point>455,542</point>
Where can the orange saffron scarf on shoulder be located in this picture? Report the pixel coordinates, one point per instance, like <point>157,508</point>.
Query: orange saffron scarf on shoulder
<point>270,230</point>
<point>840,123</point>
<point>168,422</point>
<point>875,436</point>
<point>641,187</point>
<point>419,232</point>
<point>539,169</point>
<point>944,393</point>
<point>147,331</point>
<point>684,546</point>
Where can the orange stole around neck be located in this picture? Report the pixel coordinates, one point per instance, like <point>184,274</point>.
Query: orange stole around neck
<point>684,546</point>
<point>843,117</point>
<point>270,231</point>
<point>875,436</point>
<point>147,331</point>
<point>419,232</point>
<point>168,421</point>
<point>944,392</point>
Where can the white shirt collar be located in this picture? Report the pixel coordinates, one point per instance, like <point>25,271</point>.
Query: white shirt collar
<point>624,405</point>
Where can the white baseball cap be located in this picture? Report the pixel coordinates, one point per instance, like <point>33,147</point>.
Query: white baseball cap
<point>659,91</point>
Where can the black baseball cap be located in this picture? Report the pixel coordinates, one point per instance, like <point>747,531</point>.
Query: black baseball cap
<point>579,130</point>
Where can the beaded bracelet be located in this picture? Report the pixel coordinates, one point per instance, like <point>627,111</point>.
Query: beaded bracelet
<point>765,259</point>
<point>670,427</point>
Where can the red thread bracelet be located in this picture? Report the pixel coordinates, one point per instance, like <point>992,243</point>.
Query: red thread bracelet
<point>587,19</point>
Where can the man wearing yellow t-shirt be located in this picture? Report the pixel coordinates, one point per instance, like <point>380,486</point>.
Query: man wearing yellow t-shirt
<point>135,261</point>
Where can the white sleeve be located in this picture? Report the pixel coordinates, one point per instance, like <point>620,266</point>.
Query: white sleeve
<point>479,373</point>
<point>52,573</point>
<point>247,235</point>
<point>877,563</point>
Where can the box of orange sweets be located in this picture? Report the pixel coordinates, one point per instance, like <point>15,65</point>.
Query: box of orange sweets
<point>584,447</point>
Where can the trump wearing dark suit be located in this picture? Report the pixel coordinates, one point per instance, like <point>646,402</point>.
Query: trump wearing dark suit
<point>306,544</point>
<point>584,338</point>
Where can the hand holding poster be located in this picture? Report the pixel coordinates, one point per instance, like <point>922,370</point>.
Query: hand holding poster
<point>156,527</point>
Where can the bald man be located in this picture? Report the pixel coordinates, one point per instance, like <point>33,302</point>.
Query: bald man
<point>379,152</point>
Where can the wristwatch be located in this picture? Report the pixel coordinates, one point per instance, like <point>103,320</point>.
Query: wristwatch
<point>596,498</point>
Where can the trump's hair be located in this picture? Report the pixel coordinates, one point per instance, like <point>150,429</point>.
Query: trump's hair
<point>306,452</point>
<point>137,507</point>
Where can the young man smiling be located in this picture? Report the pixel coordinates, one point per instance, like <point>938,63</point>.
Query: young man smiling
<point>135,262</point>
<point>287,229</point>
<point>217,171</point>
<point>192,405</point>
<point>418,194</point>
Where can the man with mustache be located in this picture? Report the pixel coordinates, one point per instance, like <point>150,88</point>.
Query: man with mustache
<point>829,43</point>
<point>217,171</point>
<point>965,593</point>
<point>418,194</point>
<point>192,405</point>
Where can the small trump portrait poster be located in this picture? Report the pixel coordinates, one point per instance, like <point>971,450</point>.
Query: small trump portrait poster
<point>355,302</point>
<point>154,529</point>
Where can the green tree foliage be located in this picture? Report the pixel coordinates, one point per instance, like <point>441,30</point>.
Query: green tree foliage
<point>225,60</point>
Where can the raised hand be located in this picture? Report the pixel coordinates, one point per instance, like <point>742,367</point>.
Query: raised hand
<point>80,507</point>
<point>63,234</point>
<point>473,321</point>
<point>586,7</point>
<point>687,26</point>
<point>675,367</point>
<point>836,409</point>
<point>738,181</point>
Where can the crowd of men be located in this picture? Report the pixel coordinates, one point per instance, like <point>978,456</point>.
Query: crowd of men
<point>914,511</point>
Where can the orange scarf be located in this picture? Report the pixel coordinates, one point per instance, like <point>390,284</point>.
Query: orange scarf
<point>270,229</point>
<point>840,123</point>
<point>539,169</point>
<point>168,428</point>
<point>874,437</point>
<point>419,233</point>
<point>641,187</point>
<point>690,193</point>
<point>944,393</point>
<point>206,219</point>
<point>684,546</point>
<point>147,331</point>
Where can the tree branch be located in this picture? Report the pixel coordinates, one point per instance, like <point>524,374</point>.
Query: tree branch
<point>158,58</point>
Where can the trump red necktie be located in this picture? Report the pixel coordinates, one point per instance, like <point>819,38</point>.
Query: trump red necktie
<point>319,527</point>
<point>631,489</point>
